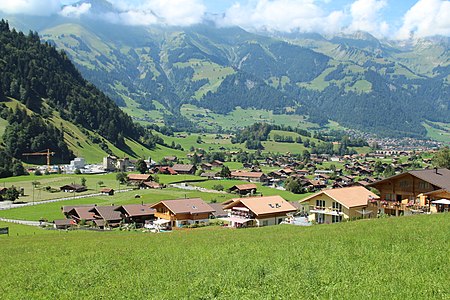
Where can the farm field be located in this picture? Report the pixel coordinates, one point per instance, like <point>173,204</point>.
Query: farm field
<point>392,258</point>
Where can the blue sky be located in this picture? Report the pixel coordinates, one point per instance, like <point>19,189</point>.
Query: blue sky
<point>394,19</point>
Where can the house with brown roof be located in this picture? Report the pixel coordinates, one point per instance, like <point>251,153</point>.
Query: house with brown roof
<point>150,185</point>
<point>73,188</point>
<point>80,213</point>
<point>106,216</point>
<point>244,189</point>
<point>336,205</point>
<point>183,212</point>
<point>64,223</point>
<point>136,213</point>
<point>413,190</point>
<point>138,178</point>
<point>249,176</point>
<point>107,191</point>
<point>165,170</point>
<point>257,211</point>
<point>217,163</point>
<point>184,169</point>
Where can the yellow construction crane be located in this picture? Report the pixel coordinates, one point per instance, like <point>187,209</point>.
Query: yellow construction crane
<point>43,152</point>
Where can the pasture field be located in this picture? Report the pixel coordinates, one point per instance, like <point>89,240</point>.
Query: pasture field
<point>392,258</point>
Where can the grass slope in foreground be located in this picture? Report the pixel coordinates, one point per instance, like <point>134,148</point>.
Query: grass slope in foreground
<point>394,258</point>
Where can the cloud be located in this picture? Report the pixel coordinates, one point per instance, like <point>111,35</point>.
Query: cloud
<point>149,12</point>
<point>31,7</point>
<point>75,11</point>
<point>426,18</point>
<point>282,15</point>
<point>366,16</point>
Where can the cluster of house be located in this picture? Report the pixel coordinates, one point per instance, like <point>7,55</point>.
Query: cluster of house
<point>411,192</point>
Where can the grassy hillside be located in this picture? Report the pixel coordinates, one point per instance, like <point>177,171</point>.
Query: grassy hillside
<point>396,258</point>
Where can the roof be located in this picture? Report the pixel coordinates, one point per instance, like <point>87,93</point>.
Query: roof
<point>83,212</point>
<point>243,187</point>
<point>247,174</point>
<point>66,208</point>
<point>218,209</point>
<point>64,222</point>
<point>348,196</point>
<point>181,167</point>
<point>106,190</point>
<point>264,205</point>
<point>152,184</point>
<point>134,210</point>
<point>436,177</point>
<point>182,206</point>
<point>73,186</point>
<point>139,176</point>
<point>108,213</point>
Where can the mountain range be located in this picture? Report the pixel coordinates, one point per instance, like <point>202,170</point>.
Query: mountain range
<point>391,88</point>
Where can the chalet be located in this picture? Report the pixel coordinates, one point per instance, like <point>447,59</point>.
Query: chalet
<point>138,178</point>
<point>165,170</point>
<point>108,214</point>
<point>150,185</point>
<point>257,211</point>
<point>136,213</point>
<point>412,190</point>
<point>244,189</point>
<point>184,169</point>
<point>73,188</point>
<point>206,166</point>
<point>217,163</point>
<point>107,191</point>
<point>183,212</point>
<point>335,205</point>
<point>249,176</point>
<point>64,224</point>
<point>81,213</point>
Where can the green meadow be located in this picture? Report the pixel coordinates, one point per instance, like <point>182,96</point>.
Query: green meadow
<point>393,258</point>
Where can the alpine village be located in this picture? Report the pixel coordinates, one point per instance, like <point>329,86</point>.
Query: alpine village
<point>210,161</point>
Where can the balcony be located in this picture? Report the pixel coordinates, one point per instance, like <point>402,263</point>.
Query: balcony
<point>325,210</point>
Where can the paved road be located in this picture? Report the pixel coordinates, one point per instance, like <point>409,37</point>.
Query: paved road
<point>8,204</point>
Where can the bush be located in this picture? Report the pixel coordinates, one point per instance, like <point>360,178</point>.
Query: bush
<point>37,173</point>
<point>218,187</point>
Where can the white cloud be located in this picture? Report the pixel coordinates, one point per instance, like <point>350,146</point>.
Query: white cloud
<point>75,11</point>
<point>366,16</point>
<point>426,18</point>
<point>31,7</point>
<point>283,15</point>
<point>149,12</point>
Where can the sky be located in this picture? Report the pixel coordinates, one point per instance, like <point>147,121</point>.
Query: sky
<point>392,19</point>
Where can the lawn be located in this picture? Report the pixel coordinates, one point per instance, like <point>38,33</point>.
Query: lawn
<point>393,258</point>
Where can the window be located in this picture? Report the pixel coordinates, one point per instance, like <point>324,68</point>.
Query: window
<point>404,183</point>
<point>265,223</point>
<point>320,218</point>
<point>424,185</point>
<point>320,203</point>
<point>337,206</point>
<point>336,219</point>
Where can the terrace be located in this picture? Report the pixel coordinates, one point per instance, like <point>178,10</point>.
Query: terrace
<point>325,210</point>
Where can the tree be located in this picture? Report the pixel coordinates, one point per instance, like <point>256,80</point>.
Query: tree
<point>121,177</point>
<point>141,166</point>
<point>77,171</point>
<point>442,158</point>
<point>292,185</point>
<point>11,194</point>
<point>83,181</point>
<point>225,172</point>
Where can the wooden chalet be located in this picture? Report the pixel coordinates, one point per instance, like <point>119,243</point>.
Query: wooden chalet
<point>206,166</point>
<point>183,212</point>
<point>108,214</point>
<point>64,223</point>
<point>165,170</point>
<point>138,178</point>
<point>336,205</point>
<point>136,213</point>
<point>412,191</point>
<point>150,185</point>
<point>107,191</point>
<point>249,176</point>
<point>217,163</point>
<point>244,189</point>
<point>73,188</point>
<point>80,213</point>
<point>257,211</point>
<point>184,169</point>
